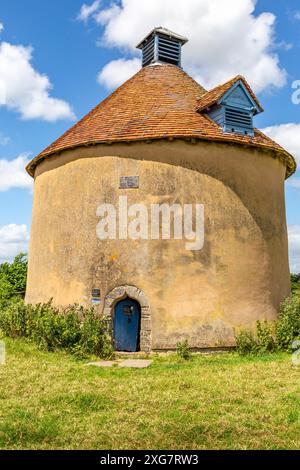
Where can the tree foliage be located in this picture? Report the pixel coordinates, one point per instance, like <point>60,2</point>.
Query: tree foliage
<point>295,282</point>
<point>13,279</point>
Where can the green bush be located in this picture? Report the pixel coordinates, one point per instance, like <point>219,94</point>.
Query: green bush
<point>52,330</point>
<point>246,343</point>
<point>95,338</point>
<point>14,319</point>
<point>265,333</point>
<point>288,324</point>
<point>259,342</point>
<point>75,329</point>
<point>279,335</point>
<point>183,350</point>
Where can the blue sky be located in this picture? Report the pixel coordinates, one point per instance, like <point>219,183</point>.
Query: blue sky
<point>84,51</point>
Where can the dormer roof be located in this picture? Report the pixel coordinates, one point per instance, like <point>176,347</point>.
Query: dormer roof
<point>217,94</point>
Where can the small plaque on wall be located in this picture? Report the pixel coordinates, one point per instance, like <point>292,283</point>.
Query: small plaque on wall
<point>96,296</point>
<point>96,293</point>
<point>129,182</point>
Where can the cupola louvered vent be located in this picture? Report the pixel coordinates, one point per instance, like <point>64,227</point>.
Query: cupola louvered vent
<point>148,53</point>
<point>162,45</point>
<point>169,51</point>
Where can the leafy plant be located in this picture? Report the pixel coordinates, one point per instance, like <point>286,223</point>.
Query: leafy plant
<point>183,350</point>
<point>78,330</point>
<point>14,319</point>
<point>95,338</point>
<point>246,343</point>
<point>265,332</point>
<point>269,337</point>
<point>288,324</point>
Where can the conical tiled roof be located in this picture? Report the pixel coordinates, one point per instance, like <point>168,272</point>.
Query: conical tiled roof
<point>159,102</point>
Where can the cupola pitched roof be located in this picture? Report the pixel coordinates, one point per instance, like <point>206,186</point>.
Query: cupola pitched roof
<point>160,102</point>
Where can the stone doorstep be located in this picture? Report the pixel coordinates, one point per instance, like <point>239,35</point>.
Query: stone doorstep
<point>133,363</point>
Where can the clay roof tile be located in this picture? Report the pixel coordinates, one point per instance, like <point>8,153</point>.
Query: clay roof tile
<point>159,102</point>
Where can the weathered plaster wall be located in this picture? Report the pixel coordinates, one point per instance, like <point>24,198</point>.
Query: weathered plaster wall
<point>240,275</point>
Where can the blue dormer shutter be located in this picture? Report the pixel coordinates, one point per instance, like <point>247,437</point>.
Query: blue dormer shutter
<point>238,120</point>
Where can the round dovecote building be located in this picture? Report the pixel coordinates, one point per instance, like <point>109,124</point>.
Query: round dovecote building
<point>165,143</point>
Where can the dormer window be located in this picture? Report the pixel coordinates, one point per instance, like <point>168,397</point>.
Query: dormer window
<point>232,106</point>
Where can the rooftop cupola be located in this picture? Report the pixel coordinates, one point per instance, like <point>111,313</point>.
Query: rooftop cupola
<point>162,45</point>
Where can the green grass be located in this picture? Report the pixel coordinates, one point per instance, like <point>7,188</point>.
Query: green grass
<point>223,401</point>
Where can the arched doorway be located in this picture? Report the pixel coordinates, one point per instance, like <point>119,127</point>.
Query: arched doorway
<point>119,293</point>
<point>127,324</point>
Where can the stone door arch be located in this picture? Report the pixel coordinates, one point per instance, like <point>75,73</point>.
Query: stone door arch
<point>121,292</point>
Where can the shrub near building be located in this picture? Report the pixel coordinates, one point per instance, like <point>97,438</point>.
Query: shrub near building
<point>82,331</point>
<point>279,335</point>
<point>78,330</point>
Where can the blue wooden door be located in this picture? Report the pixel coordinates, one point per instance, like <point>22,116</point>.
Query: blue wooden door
<point>127,325</point>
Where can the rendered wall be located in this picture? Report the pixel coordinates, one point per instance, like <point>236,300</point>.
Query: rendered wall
<point>240,275</point>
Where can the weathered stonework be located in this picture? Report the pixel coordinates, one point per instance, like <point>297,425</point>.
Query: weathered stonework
<point>120,293</point>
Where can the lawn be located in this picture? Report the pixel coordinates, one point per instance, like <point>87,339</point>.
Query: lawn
<point>221,401</point>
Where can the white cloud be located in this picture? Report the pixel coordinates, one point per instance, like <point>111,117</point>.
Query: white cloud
<point>287,135</point>
<point>4,140</point>
<point>294,183</point>
<point>297,15</point>
<point>86,11</point>
<point>1,27</point>
<point>294,247</point>
<point>13,240</point>
<point>25,90</point>
<point>118,71</point>
<point>225,38</point>
<point>13,174</point>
